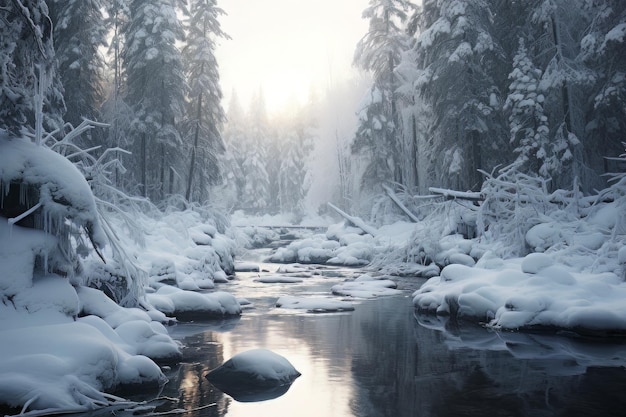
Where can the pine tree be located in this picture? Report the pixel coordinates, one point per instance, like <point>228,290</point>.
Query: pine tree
<point>603,50</point>
<point>379,51</point>
<point>293,175</point>
<point>459,63</point>
<point>527,120</point>
<point>205,115</point>
<point>255,194</point>
<point>234,138</point>
<point>79,33</point>
<point>557,27</point>
<point>155,91</point>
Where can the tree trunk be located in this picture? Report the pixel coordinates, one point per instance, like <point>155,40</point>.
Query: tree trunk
<point>144,166</point>
<point>162,174</point>
<point>192,162</point>
<point>415,153</point>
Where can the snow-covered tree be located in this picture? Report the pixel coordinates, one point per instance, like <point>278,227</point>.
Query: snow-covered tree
<point>379,51</point>
<point>459,61</point>
<point>155,91</point>
<point>603,50</point>
<point>205,115</point>
<point>30,94</point>
<point>255,195</point>
<point>79,33</point>
<point>557,27</point>
<point>527,120</point>
<point>234,136</point>
<point>293,173</point>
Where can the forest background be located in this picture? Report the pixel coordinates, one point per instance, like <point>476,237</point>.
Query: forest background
<point>457,89</point>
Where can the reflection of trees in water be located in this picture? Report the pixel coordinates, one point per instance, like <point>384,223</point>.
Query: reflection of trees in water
<point>188,383</point>
<point>397,375</point>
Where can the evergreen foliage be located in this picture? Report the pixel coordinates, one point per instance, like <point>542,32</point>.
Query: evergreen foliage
<point>155,93</point>
<point>79,32</point>
<point>27,59</point>
<point>469,95</point>
<point>204,115</point>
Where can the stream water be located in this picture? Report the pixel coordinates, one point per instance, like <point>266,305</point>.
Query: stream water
<point>382,360</point>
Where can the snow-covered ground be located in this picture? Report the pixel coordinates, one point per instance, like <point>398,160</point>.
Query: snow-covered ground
<point>74,327</point>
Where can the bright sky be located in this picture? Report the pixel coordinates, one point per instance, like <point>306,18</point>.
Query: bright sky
<point>287,47</point>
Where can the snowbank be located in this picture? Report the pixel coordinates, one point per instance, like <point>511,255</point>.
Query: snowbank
<point>530,293</point>
<point>190,305</point>
<point>64,344</point>
<point>66,366</point>
<point>344,245</point>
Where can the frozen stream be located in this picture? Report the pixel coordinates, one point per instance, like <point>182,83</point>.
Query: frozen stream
<point>381,360</point>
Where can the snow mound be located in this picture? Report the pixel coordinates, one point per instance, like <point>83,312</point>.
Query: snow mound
<point>63,191</point>
<point>247,267</point>
<point>67,366</point>
<point>278,279</point>
<point>531,293</point>
<point>366,287</point>
<point>138,334</point>
<point>260,368</point>
<point>314,304</point>
<point>190,305</point>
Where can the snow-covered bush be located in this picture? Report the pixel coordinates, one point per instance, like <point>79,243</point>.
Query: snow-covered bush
<point>516,202</point>
<point>42,189</point>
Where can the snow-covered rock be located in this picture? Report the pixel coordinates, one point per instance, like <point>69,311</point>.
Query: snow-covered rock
<point>366,288</point>
<point>191,305</point>
<point>247,267</point>
<point>278,279</point>
<point>253,369</point>
<point>314,304</point>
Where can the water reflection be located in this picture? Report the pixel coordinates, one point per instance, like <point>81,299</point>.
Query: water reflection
<point>381,361</point>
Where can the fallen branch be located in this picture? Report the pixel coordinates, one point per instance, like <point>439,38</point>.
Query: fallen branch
<point>399,203</point>
<point>460,195</point>
<point>355,221</point>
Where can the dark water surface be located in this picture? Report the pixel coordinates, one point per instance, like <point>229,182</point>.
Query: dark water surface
<point>382,360</point>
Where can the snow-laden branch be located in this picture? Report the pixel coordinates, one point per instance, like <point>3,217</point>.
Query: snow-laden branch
<point>461,195</point>
<point>31,210</point>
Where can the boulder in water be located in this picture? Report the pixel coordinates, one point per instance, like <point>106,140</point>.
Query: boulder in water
<point>254,375</point>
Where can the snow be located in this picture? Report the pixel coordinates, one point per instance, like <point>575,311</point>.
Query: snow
<point>278,279</point>
<point>314,304</point>
<point>65,365</point>
<point>246,267</point>
<point>64,192</point>
<point>344,245</point>
<point>65,341</point>
<point>181,303</point>
<point>534,291</point>
<point>366,286</point>
<point>256,367</point>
